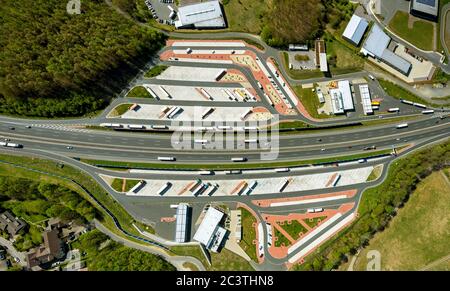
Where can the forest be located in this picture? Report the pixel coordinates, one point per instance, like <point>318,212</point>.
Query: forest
<point>379,205</point>
<point>302,21</point>
<point>103,254</point>
<point>35,202</point>
<point>53,64</point>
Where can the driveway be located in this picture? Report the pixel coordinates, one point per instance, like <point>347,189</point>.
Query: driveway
<point>13,252</point>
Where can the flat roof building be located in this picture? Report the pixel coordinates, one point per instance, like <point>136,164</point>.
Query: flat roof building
<point>321,56</point>
<point>336,101</point>
<point>376,46</point>
<point>210,233</point>
<point>365,99</point>
<point>201,16</point>
<point>427,9</point>
<point>355,30</point>
<point>341,98</point>
<point>182,222</point>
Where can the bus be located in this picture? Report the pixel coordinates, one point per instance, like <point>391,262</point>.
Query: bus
<point>375,103</point>
<point>206,173</point>
<point>250,188</point>
<point>239,159</point>
<point>420,105</point>
<point>164,188</point>
<point>281,170</point>
<point>427,111</point>
<point>251,141</point>
<point>283,186</point>
<point>403,125</point>
<point>393,109</point>
<point>159,127</point>
<point>336,180</point>
<point>406,102</point>
<point>166,159</point>
<point>135,126</point>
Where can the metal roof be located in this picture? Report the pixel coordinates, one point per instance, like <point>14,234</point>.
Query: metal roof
<point>336,101</point>
<point>355,29</point>
<point>208,227</point>
<point>396,61</point>
<point>365,99</point>
<point>181,223</point>
<point>201,15</point>
<point>347,99</point>
<point>376,42</point>
<point>376,46</point>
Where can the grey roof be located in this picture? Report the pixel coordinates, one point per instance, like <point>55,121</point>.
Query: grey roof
<point>355,29</point>
<point>396,61</point>
<point>377,41</point>
<point>426,6</point>
<point>201,15</point>
<point>377,45</point>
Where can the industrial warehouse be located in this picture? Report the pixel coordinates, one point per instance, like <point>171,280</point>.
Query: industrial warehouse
<point>378,45</point>
<point>210,233</point>
<point>201,16</point>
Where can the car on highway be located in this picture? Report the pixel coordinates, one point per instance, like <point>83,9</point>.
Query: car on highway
<point>12,128</point>
<point>28,126</point>
<point>322,150</point>
<point>69,147</point>
<point>370,148</point>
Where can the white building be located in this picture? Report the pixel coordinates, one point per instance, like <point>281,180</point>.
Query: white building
<point>341,98</point>
<point>201,15</point>
<point>376,46</point>
<point>365,99</point>
<point>355,30</point>
<point>210,233</point>
<point>181,227</point>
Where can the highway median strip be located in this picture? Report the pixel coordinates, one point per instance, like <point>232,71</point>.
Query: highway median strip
<point>152,166</point>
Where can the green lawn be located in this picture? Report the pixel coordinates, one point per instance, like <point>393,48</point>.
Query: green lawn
<point>301,58</point>
<point>117,184</point>
<point>155,71</point>
<point>139,92</point>
<point>313,222</point>
<point>294,229</point>
<point>310,100</point>
<point>419,234</point>
<point>245,15</point>
<point>341,59</point>
<point>248,234</point>
<point>120,109</point>
<point>280,239</point>
<point>398,92</point>
<point>223,261</point>
<point>40,169</point>
<point>421,35</point>
<point>375,174</point>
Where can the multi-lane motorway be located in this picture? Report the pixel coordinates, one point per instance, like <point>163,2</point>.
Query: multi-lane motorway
<point>61,140</point>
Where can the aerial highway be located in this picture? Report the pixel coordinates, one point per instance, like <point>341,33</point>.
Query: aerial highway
<point>69,140</point>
